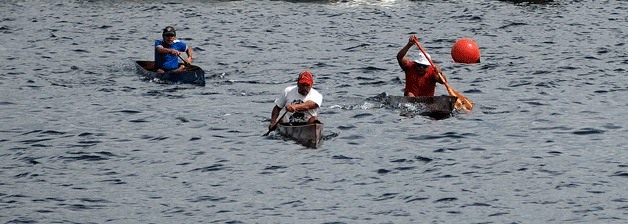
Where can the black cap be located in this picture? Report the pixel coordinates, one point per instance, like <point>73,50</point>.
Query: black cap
<point>169,31</point>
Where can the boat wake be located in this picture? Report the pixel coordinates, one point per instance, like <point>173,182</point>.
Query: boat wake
<point>435,107</point>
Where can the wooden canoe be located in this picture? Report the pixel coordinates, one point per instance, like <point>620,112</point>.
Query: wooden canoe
<point>191,75</point>
<point>309,135</point>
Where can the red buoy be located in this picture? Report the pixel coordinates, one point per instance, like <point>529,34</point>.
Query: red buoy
<point>465,51</point>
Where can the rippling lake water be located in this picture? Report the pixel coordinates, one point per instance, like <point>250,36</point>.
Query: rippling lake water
<point>84,140</point>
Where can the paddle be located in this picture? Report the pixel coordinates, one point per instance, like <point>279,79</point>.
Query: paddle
<point>184,61</point>
<point>272,128</point>
<point>462,102</point>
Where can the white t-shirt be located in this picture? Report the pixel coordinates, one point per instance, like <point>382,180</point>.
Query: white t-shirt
<point>291,96</point>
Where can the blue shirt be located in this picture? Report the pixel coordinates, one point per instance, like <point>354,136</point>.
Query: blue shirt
<point>168,61</point>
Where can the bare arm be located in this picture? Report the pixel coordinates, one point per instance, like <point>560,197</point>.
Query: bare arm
<point>163,50</point>
<point>440,77</point>
<point>189,52</point>
<point>401,56</point>
<point>302,106</point>
<point>273,116</point>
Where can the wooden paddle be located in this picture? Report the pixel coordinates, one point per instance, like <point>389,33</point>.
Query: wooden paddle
<point>462,102</point>
<point>184,61</point>
<point>272,128</point>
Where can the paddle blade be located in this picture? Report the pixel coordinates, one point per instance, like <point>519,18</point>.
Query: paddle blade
<point>271,129</point>
<point>462,102</point>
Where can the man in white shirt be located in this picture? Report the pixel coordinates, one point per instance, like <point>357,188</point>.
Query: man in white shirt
<point>301,102</point>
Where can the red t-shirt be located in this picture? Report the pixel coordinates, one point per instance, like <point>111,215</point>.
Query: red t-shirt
<point>420,84</point>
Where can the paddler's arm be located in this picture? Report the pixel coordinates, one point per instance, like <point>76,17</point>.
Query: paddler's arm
<point>401,56</point>
<point>302,106</point>
<point>438,77</point>
<point>189,52</point>
<point>273,116</point>
<point>163,50</point>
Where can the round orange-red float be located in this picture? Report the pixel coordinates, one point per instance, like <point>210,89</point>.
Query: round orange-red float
<point>465,50</point>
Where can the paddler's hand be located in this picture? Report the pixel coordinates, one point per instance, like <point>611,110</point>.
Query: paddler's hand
<point>291,108</point>
<point>188,60</point>
<point>437,69</point>
<point>175,52</point>
<point>441,77</point>
<point>413,39</point>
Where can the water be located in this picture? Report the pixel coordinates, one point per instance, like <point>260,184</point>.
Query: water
<point>83,140</point>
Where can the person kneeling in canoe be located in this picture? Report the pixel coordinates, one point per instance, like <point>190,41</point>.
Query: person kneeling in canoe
<point>421,77</point>
<point>167,52</point>
<point>301,102</point>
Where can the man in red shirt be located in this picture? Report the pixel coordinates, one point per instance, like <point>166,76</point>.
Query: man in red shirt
<point>421,77</point>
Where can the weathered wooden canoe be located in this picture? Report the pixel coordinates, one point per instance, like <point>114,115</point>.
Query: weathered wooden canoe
<point>191,75</point>
<point>309,135</point>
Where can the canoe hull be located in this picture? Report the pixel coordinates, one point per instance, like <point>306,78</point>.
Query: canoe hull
<point>191,75</point>
<point>309,135</point>
<point>437,107</point>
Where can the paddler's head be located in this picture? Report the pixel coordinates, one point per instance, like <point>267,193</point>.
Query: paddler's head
<point>305,82</point>
<point>421,62</point>
<point>169,34</point>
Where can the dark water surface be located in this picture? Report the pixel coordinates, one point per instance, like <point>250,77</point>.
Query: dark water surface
<point>83,140</point>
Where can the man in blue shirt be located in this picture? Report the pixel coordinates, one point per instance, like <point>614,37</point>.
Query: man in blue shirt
<point>167,52</point>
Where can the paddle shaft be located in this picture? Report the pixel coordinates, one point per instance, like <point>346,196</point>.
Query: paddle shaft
<point>184,61</point>
<point>272,128</point>
<point>463,101</point>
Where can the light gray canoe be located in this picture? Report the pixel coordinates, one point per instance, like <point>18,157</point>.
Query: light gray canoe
<point>309,135</point>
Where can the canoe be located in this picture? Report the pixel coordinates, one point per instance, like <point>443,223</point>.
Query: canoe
<point>309,135</point>
<point>437,107</point>
<point>190,75</point>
